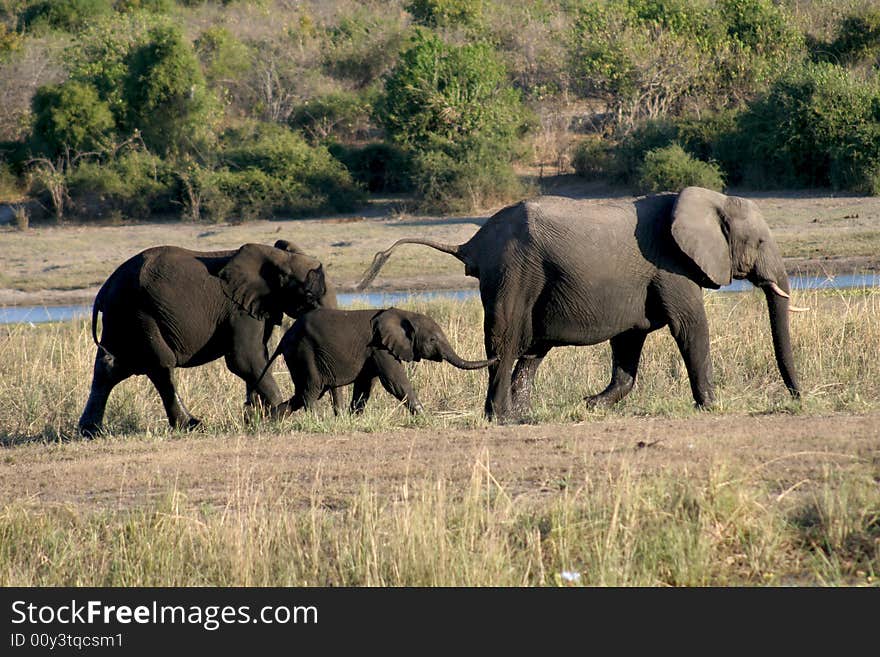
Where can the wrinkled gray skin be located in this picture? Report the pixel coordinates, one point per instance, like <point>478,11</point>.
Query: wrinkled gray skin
<point>326,349</point>
<point>556,271</point>
<point>169,307</point>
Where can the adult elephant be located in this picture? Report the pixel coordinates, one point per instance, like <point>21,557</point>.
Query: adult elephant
<point>556,271</point>
<point>170,307</point>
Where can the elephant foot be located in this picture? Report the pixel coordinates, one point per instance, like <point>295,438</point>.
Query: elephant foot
<point>186,425</point>
<point>599,401</point>
<point>89,430</point>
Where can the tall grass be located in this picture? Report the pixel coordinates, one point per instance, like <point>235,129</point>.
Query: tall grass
<point>614,525</point>
<point>617,530</point>
<point>45,372</point>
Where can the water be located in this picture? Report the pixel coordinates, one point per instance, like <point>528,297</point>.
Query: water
<point>40,314</point>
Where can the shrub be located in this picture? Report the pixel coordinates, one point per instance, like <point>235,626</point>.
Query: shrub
<point>136,184</point>
<point>441,13</point>
<point>651,59</point>
<point>448,183</point>
<point>672,169</point>
<point>10,187</point>
<point>593,159</point>
<point>70,116</point>
<point>818,126</point>
<point>342,115</point>
<point>857,38</point>
<point>222,55</point>
<point>269,169</point>
<point>69,15</point>
<point>101,53</point>
<point>165,94</point>
<point>379,167</point>
<point>363,46</point>
<point>453,108</point>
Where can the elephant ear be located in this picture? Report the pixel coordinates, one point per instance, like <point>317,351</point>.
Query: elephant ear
<point>284,245</point>
<point>697,229</point>
<point>395,333</point>
<point>315,286</point>
<point>251,277</point>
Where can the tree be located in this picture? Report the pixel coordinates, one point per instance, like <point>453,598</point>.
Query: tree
<point>165,93</point>
<point>454,108</point>
<point>70,117</point>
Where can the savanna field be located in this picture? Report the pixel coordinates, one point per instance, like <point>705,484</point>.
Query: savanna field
<point>343,126</point>
<point>761,490</point>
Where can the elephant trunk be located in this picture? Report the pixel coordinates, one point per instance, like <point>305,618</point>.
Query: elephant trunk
<point>778,306</point>
<point>457,361</point>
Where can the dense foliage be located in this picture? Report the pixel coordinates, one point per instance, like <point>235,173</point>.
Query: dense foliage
<point>129,108</point>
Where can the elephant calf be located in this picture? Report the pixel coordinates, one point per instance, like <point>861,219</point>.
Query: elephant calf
<point>328,348</point>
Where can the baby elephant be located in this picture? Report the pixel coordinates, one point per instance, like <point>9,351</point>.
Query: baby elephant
<point>328,348</point>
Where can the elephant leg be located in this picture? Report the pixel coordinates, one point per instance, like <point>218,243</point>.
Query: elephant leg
<point>178,415</point>
<point>523,381</point>
<point>393,377</point>
<point>692,338</point>
<point>498,405</point>
<point>248,366</point>
<point>284,409</point>
<point>626,349</point>
<point>363,386</point>
<point>336,396</point>
<point>106,375</point>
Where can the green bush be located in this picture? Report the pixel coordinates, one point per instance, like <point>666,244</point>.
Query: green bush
<point>699,136</point>
<point>268,169</point>
<point>653,59</point>
<point>454,108</point>
<point>135,185</point>
<point>70,116</point>
<point>101,54</point>
<point>222,55</point>
<point>343,116</point>
<point>857,38</point>
<point>379,167</point>
<point>448,183</point>
<point>818,126</point>
<point>69,15</point>
<point>442,13</point>
<point>165,94</point>
<point>156,6</point>
<point>593,159</point>
<point>672,169</point>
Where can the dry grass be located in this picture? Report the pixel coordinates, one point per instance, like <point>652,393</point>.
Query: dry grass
<point>763,490</point>
<point>45,373</point>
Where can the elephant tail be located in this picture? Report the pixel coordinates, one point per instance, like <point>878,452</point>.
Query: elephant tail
<point>382,257</point>
<point>97,307</point>
<point>278,350</point>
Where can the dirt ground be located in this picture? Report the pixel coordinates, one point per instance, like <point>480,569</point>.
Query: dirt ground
<point>789,454</point>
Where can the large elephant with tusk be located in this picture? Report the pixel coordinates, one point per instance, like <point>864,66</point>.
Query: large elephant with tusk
<point>556,271</point>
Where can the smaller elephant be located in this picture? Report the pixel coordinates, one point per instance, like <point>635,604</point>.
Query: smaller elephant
<point>328,348</point>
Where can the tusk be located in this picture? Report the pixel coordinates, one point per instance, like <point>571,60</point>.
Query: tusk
<point>785,295</point>
<point>773,286</point>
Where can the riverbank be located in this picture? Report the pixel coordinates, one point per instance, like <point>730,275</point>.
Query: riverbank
<point>819,234</point>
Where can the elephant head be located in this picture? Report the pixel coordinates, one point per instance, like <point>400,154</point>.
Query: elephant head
<point>267,281</point>
<point>727,238</point>
<point>414,337</point>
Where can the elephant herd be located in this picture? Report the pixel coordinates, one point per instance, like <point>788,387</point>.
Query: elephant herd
<point>552,271</point>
